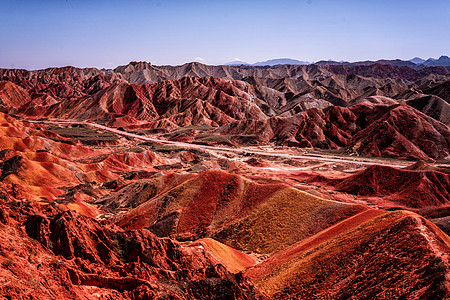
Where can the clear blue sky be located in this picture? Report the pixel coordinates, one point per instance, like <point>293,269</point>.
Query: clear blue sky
<point>107,33</point>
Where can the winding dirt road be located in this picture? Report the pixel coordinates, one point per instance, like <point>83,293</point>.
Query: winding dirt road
<point>356,160</point>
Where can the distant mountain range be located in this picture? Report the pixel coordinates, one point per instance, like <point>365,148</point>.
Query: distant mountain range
<point>281,61</point>
<point>270,62</point>
<point>441,61</point>
<point>416,62</point>
<point>237,63</point>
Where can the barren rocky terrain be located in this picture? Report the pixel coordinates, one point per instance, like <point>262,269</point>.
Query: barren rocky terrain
<point>325,181</point>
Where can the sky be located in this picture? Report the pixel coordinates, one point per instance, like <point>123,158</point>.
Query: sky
<point>36,34</point>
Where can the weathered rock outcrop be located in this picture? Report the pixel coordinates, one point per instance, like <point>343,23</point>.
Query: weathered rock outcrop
<point>65,253</point>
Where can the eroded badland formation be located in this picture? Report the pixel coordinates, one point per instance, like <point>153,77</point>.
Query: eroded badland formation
<point>323,181</point>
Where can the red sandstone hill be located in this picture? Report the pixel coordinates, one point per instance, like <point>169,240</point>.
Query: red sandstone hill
<point>340,90</point>
<point>315,248</point>
<point>61,83</point>
<point>399,131</point>
<point>377,126</point>
<point>79,256</point>
<point>48,253</point>
<point>255,239</point>
<point>369,257</point>
<point>143,72</point>
<point>44,167</point>
<point>188,101</point>
<point>296,109</point>
<point>227,207</point>
<point>396,187</point>
<point>12,96</point>
<point>336,84</point>
<point>366,128</point>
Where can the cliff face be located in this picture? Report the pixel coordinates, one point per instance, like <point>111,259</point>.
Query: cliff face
<point>64,254</point>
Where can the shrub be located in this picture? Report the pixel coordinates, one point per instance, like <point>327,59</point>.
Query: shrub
<point>7,263</point>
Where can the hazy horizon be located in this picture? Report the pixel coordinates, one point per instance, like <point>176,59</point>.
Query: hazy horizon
<point>106,34</point>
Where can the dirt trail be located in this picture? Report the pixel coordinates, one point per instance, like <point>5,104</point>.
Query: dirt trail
<point>356,160</point>
<point>433,244</point>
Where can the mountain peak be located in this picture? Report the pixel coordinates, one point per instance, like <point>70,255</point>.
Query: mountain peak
<point>417,60</point>
<point>443,61</point>
<point>281,61</point>
<point>237,63</point>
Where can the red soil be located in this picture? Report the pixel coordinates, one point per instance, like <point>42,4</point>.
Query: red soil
<point>316,248</point>
<point>380,258</point>
<point>48,168</point>
<point>289,253</point>
<point>235,261</point>
<point>405,188</point>
<point>202,201</point>
<point>257,110</point>
<point>198,213</point>
<point>47,253</point>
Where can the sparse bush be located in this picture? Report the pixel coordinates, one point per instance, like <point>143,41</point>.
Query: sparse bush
<point>33,283</point>
<point>289,162</point>
<point>56,263</point>
<point>119,250</point>
<point>264,256</point>
<point>7,263</point>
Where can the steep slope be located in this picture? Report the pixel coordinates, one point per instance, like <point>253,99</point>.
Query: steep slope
<point>440,89</point>
<point>235,211</point>
<point>12,96</point>
<point>61,83</point>
<point>45,170</point>
<point>235,261</point>
<point>297,95</point>
<point>391,256</point>
<point>304,106</point>
<point>399,131</point>
<point>188,101</point>
<point>375,126</point>
<point>143,72</point>
<point>396,187</point>
<point>432,106</point>
<point>47,253</point>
